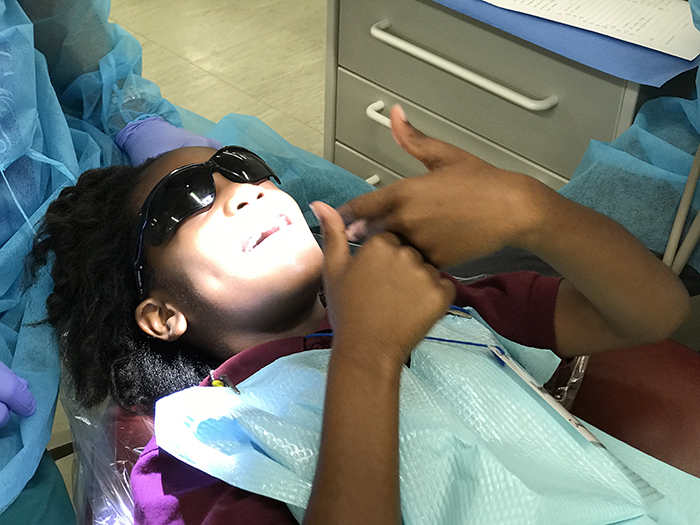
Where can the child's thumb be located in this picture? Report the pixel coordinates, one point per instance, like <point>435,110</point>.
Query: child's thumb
<point>433,153</point>
<point>335,244</point>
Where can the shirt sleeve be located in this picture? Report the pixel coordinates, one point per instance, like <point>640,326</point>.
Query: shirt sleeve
<point>519,306</point>
<point>168,491</point>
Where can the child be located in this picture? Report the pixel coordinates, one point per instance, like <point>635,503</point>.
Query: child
<point>233,275</point>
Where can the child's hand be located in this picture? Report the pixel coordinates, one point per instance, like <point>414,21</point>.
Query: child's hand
<point>384,299</point>
<point>465,208</point>
<point>462,209</point>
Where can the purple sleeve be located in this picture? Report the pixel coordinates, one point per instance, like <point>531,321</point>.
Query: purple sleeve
<point>14,395</point>
<point>150,136</point>
<point>168,491</point>
<point>519,305</point>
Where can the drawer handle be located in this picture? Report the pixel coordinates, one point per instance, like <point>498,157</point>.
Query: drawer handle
<point>379,32</point>
<point>373,112</point>
<point>373,180</point>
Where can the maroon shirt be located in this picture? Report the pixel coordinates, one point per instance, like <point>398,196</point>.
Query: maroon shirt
<point>519,306</point>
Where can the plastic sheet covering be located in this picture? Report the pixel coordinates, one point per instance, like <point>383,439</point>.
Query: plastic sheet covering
<point>639,178</point>
<point>34,164</point>
<point>95,66</point>
<point>42,150</point>
<point>476,446</point>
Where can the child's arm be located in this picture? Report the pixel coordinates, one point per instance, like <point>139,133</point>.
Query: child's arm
<point>615,293</point>
<point>381,303</point>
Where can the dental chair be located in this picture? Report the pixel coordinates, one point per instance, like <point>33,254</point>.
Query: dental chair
<point>648,397</point>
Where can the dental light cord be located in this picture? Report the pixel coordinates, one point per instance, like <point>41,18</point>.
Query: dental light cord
<point>673,258</point>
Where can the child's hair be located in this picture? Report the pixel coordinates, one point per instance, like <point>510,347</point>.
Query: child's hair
<point>90,230</point>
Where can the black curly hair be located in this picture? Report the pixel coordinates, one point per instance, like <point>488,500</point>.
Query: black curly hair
<point>88,236</point>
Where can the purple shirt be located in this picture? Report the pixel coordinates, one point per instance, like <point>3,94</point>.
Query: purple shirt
<point>519,306</point>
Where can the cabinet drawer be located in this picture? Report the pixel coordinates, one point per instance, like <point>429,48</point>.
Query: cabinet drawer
<point>363,167</point>
<point>588,105</point>
<point>355,129</point>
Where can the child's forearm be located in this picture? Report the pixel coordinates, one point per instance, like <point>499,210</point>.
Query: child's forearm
<point>358,469</point>
<point>616,293</point>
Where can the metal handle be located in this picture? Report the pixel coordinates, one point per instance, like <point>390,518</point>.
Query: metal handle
<point>373,180</point>
<point>379,32</point>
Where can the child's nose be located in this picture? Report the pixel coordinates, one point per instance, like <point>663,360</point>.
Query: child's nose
<point>242,196</point>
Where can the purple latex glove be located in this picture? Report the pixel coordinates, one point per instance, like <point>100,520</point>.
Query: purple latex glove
<point>14,395</point>
<point>149,137</point>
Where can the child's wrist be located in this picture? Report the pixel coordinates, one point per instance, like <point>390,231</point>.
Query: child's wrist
<point>533,205</point>
<point>376,357</point>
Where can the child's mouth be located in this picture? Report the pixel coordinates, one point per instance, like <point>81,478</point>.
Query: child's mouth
<point>253,241</point>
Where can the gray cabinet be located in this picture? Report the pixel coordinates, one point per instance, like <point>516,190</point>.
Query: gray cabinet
<point>507,101</point>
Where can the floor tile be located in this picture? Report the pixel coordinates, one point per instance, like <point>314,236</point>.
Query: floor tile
<point>303,18</point>
<point>293,131</point>
<point>214,57</point>
<point>188,86</point>
<point>299,93</point>
<point>249,63</point>
<point>180,16</point>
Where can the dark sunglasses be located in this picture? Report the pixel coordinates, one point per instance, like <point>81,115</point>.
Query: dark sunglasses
<point>189,190</point>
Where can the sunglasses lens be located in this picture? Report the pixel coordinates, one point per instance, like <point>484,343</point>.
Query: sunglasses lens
<point>181,195</point>
<point>189,190</point>
<point>242,164</point>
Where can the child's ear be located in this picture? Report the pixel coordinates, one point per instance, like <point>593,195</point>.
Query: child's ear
<point>160,319</point>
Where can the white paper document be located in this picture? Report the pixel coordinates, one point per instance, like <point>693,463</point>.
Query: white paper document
<point>663,25</point>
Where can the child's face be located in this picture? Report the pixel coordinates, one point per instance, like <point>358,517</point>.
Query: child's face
<point>251,256</point>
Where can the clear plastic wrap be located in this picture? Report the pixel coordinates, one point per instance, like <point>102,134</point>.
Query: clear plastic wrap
<point>107,442</point>
<point>566,380</point>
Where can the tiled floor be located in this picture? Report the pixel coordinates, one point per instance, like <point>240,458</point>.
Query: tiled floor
<point>214,57</point>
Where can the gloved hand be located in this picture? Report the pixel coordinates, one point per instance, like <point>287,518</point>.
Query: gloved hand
<point>149,137</point>
<point>14,395</point>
